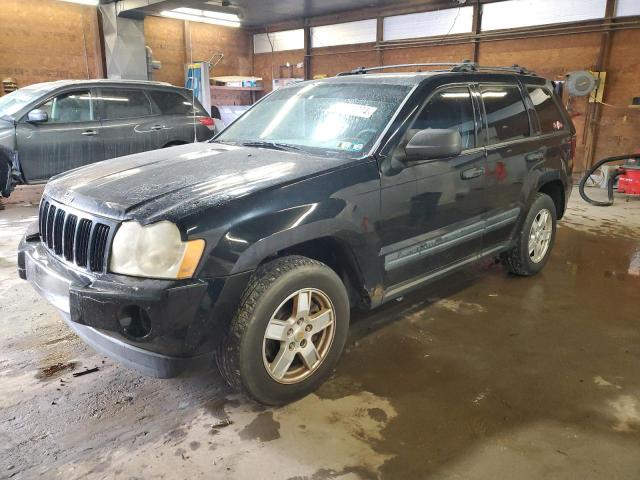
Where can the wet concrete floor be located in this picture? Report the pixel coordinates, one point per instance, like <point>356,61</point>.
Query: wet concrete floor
<point>480,376</point>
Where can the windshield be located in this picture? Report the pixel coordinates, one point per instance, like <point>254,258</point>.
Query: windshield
<point>343,118</point>
<point>13,102</point>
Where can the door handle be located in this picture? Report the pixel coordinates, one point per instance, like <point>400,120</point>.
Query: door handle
<point>157,127</point>
<point>89,133</point>
<point>470,173</point>
<point>535,157</point>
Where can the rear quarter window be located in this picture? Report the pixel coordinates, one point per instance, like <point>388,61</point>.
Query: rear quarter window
<point>507,117</point>
<point>549,115</point>
<point>172,103</point>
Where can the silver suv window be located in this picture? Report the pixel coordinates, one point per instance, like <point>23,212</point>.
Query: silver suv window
<point>172,103</point>
<point>123,103</point>
<point>69,107</point>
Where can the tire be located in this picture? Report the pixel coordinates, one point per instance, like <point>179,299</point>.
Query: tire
<point>257,365</point>
<point>520,260</point>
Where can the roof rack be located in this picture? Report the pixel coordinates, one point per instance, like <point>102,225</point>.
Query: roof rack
<point>464,66</point>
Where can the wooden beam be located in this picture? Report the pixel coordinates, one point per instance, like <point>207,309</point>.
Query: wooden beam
<point>595,109</point>
<point>186,34</point>
<point>307,50</point>
<point>477,28</point>
<point>380,39</point>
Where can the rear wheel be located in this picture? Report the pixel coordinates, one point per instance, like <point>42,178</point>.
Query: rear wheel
<point>288,333</point>
<point>536,239</point>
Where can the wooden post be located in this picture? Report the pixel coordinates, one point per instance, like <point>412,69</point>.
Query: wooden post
<point>307,50</point>
<point>595,109</point>
<point>477,26</point>
<point>379,40</point>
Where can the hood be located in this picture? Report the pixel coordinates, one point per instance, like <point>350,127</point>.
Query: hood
<point>179,178</point>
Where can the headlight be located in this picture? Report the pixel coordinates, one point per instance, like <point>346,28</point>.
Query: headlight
<point>154,251</point>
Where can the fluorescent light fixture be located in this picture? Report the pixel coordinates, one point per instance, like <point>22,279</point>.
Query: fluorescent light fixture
<point>204,16</point>
<point>93,3</point>
<point>232,17</point>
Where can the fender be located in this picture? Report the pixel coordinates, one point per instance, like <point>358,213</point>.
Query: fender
<point>344,208</point>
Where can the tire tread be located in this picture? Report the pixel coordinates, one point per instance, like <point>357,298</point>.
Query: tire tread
<point>514,258</point>
<point>227,355</point>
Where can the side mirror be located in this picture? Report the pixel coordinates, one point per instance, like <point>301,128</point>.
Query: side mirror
<point>37,116</point>
<point>434,143</point>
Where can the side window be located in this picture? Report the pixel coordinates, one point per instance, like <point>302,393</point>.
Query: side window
<point>548,113</point>
<point>507,116</point>
<point>172,103</point>
<point>449,108</point>
<point>120,103</point>
<point>69,107</point>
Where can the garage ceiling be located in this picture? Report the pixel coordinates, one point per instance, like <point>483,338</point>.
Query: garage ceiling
<point>257,13</point>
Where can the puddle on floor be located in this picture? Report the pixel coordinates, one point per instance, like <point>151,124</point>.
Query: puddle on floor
<point>501,352</point>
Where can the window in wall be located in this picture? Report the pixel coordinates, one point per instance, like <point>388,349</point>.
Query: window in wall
<point>285,40</point>
<point>627,8</point>
<point>449,108</point>
<point>69,107</point>
<point>363,31</point>
<point>526,13</point>
<point>172,103</point>
<point>124,104</point>
<point>548,113</point>
<point>507,116</point>
<point>428,24</point>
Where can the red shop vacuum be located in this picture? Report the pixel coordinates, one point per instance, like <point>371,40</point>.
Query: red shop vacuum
<point>627,174</point>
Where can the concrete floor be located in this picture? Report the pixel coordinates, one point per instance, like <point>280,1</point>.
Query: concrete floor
<point>482,376</point>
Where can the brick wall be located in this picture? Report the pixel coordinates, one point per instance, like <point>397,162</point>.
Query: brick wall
<point>44,40</point>
<point>166,37</point>
<point>619,128</point>
<point>551,57</point>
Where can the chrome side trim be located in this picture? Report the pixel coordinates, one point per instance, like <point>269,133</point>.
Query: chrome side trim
<point>502,219</point>
<point>432,246</point>
<point>397,255</point>
<point>399,289</point>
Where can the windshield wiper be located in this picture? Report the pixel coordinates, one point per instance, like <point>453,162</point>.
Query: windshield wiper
<point>272,145</point>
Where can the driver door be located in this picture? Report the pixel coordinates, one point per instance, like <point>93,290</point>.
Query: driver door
<point>432,209</point>
<point>69,138</point>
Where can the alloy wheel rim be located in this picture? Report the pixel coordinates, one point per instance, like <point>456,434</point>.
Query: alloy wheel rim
<point>298,336</point>
<point>540,235</point>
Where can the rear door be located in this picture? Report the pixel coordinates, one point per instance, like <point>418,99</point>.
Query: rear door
<point>70,138</point>
<point>512,149</point>
<point>130,124</point>
<point>432,210</point>
<point>181,119</point>
<point>553,130</point>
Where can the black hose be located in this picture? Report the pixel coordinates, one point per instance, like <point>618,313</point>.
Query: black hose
<point>610,183</point>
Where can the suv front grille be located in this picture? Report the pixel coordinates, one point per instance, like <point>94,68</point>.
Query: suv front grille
<point>79,239</point>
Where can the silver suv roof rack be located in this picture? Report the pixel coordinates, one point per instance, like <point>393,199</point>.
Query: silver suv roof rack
<point>464,66</point>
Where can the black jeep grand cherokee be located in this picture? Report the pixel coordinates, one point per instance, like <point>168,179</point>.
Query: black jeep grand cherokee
<point>330,194</point>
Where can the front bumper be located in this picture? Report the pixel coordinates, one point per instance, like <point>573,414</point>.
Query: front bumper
<point>184,318</point>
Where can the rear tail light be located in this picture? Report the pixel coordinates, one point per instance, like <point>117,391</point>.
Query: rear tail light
<point>207,122</point>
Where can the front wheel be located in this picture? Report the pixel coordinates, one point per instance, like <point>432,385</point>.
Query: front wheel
<point>536,239</point>
<point>288,333</point>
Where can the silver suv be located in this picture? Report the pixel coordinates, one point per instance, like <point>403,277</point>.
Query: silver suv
<point>49,128</point>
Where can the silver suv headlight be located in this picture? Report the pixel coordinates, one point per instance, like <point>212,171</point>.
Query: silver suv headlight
<point>154,251</point>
